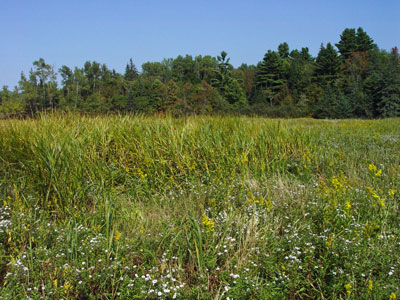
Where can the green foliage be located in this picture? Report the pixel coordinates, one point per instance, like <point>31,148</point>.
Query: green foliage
<point>133,207</point>
<point>131,72</point>
<point>184,69</point>
<point>228,86</point>
<point>271,74</point>
<point>10,103</point>
<point>327,64</point>
<point>354,41</point>
<point>283,50</point>
<point>284,84</point>
<point>333,105</point>
<point>389,104</point>
<point>156,70</point>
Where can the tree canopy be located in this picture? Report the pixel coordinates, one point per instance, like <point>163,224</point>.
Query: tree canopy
<point>354,79</point>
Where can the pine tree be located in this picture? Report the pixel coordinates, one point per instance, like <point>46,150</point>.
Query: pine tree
<point>347,43</point>
<point>227,85</point>
<point>389,104</point>
<point>283,50</point>
<point>327,64</point>
<point>271,75</point>
<point>333,104</point>
<point>131,100</point>
<point>131,72</point>
<point>364,42</point>
<point>352,41</point>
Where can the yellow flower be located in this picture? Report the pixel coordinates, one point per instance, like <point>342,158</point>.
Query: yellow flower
<point>348,205</point>
<point>329,242</point>
<point>117,235</point>
<point>392,296</point>
<point>244,158</point>
<point>67,288</point>
<point>268,204</point>
<point>372,168</point>
<point>376,197</point>
<point>391,193</point>
<point>348,288</point>
<point>208,223</point>
<point>370,285</point>
<point>379,173</point>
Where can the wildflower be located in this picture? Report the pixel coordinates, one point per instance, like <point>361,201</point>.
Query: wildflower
<point>348,288</point>
<point>391,193</point>
<point>336,183</point>
<point>370,285</point>
<point>268,204</point>
<point>329,242</point>
<point>67,287</point>
<point>372,168</point>
<point>208,223</point>
<point>379,173</point>
<point>374,194</point>
<point>392,296</point>
<point>348,205</point>
<point>244,158</point>
<point>117,235</point>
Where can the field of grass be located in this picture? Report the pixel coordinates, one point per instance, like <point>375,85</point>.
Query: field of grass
<point>123,207</point>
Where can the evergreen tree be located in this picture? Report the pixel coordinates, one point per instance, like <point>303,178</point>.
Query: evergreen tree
<point>352,41</point>
<point>270,75</point>
<point>389,104</point>
<point>47,85</point>
<point>172,96</point>
<point>332,105</point>
<point>300,76</point>
<point>347,43</point>
<point>228,86</point>
<point>364,42</point>
<point>131,104</point>
<point>327,64</point>
<point>283,50</point>
<point>305,54</point>
<point>131,72</point>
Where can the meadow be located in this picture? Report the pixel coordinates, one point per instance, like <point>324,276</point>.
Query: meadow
<point>135,207</point>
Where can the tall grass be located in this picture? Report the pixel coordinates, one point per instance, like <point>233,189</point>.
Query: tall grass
<point>122,207</point>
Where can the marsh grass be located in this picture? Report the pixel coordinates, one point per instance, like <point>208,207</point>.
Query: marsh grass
<point>121,207</point>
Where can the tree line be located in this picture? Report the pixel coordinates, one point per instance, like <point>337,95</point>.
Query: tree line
<point>351,79</point>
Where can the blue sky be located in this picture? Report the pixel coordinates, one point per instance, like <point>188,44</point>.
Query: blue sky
<point>72,32</point>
